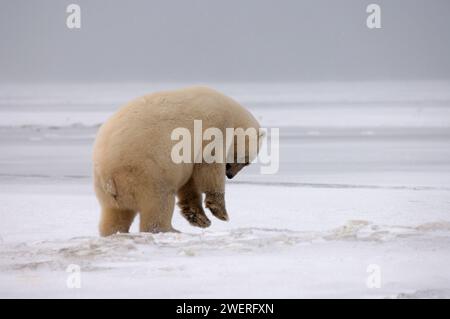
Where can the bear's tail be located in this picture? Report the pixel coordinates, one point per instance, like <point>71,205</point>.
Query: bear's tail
<point>117,190</point>
<point>109,186</point>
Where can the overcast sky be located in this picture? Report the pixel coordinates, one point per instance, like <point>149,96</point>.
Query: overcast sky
<point>227,40</point>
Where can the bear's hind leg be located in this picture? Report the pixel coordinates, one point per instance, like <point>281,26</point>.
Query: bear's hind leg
<point>190,203</point>
<point>115,220</point>
<point>156,213</point>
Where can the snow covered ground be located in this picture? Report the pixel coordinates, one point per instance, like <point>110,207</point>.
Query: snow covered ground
<point>360,206</point>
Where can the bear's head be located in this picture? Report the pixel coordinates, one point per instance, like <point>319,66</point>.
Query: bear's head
<point>243,150</point>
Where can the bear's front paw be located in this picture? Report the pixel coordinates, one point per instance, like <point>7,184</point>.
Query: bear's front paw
<point>196,217</point>
<point>217,210</point>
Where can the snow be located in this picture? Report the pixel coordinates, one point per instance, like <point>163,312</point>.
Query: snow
<point>363,183</point>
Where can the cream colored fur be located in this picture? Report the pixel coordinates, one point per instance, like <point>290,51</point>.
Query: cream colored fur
<point>133,169</point>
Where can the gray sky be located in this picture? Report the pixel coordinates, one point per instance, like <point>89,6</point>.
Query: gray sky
<point>227,40</point>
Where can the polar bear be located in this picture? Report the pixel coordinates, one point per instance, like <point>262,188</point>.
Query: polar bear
<point>135,173</point>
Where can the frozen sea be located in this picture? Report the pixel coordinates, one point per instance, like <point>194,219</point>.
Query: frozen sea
<point>360,206</point>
